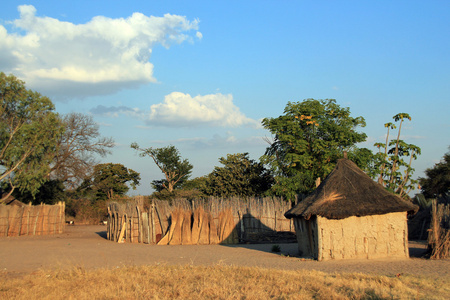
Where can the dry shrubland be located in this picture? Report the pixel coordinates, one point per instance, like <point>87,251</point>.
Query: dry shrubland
<point>216,282</point>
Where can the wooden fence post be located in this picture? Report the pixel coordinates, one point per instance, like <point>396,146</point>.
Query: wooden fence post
<point>153,222</point>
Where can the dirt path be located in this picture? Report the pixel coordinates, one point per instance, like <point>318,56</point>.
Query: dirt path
<point>86,246</point>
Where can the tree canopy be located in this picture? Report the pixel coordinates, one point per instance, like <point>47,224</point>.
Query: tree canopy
<point>437,180</point>
<point>307,141</point>
<point>111,179</point>
<point>29,130</point>
<point>176,170</point>
<point>239,176</point>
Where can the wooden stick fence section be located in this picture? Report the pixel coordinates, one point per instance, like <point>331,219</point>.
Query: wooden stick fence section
<point>253,217</point>
<point>439,233</point>
<point>209,221</point>
<point>32,220</point>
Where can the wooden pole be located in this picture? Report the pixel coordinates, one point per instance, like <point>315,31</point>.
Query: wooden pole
<point>108,225</point>
<point>122,231</point>
<point>139,225</point>
<point>153,222</point>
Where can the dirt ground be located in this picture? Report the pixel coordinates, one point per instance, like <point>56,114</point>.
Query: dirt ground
<point>87,247</point>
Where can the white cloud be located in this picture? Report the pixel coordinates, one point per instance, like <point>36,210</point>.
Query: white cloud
<point>179,109</point>
<point>182,110</point>
<point>101,56</point>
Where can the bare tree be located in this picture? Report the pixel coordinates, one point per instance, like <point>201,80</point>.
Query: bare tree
<point>77,148</point>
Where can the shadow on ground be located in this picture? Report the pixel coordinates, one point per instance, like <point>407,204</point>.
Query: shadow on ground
<point>102,234</point>
<point>418,249</point>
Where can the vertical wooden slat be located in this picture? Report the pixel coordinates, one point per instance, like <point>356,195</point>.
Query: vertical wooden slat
<point>140,229</point>
<point>152,224</point>
<point>13,221</point>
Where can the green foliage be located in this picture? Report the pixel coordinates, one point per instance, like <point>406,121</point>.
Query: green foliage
<point>239,176</point>
<point>111,179</point>
<point>187,194</point>
<point>175,169</point>
<point>395,158</point>
<point>437,181</point>
<point>366,160</point>
<point>29,130</point>
<point>50,192</point>
<point>308,139</point>
<point>191,189</point>
<point>197,183</point>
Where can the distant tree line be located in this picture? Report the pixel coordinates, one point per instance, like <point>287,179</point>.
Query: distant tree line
<point>47,157</point>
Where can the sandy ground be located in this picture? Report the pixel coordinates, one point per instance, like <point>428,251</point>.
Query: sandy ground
<point>87,247</point>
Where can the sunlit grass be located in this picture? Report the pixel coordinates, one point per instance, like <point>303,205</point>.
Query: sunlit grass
<point>216,282</point>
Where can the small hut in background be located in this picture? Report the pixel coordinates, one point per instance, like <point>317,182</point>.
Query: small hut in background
<point>351,216</point>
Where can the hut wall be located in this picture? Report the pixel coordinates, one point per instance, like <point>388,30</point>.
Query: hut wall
<point>375,236</point>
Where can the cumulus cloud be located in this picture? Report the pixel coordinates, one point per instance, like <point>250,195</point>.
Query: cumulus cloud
<point>183,110</point>
<point>101,56</point>
<point>179,109</point>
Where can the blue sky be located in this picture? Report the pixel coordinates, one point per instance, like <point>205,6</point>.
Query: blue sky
<point>200,75</point>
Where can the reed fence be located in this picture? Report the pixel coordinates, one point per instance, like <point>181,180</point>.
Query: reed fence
<point>210,221</point>
<point>439,233</point>
<point>32,220</point>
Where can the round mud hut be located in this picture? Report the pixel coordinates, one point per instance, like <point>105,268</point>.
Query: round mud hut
<point>350,216</point>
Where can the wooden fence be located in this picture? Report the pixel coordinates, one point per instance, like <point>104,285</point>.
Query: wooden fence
<point>208,221</point>
<point>31,220</point>
<point>439,232</point>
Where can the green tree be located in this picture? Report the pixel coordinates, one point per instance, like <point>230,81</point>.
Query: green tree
<point>307,141</point>
<point>81,140</point>
<point>28,136</point>
<point>437,181</point>
<point>50,192</point>
<point>197,183</point>
<point>395,159</point>
<point>366,160</point>
<point>111,179</point>
<point>175,169</point>
<point>239,176</point>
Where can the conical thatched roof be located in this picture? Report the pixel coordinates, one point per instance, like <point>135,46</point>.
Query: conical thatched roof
<point>348,191</point>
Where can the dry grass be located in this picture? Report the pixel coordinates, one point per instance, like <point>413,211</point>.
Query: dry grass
<point>216,282</point>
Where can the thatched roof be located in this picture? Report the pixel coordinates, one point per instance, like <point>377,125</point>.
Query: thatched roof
<point>347,191</point>
<point>15,202</point>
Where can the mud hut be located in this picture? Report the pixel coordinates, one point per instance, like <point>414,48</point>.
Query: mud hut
<point>351,216</point>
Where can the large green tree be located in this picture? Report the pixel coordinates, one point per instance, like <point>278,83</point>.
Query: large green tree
<point>176,170</point>
<point>437,180</point>
<point>307,141</point>
<point>239,176</point>
<point>395,159</point>
<point>29,130</point>
<point>111,179</point>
